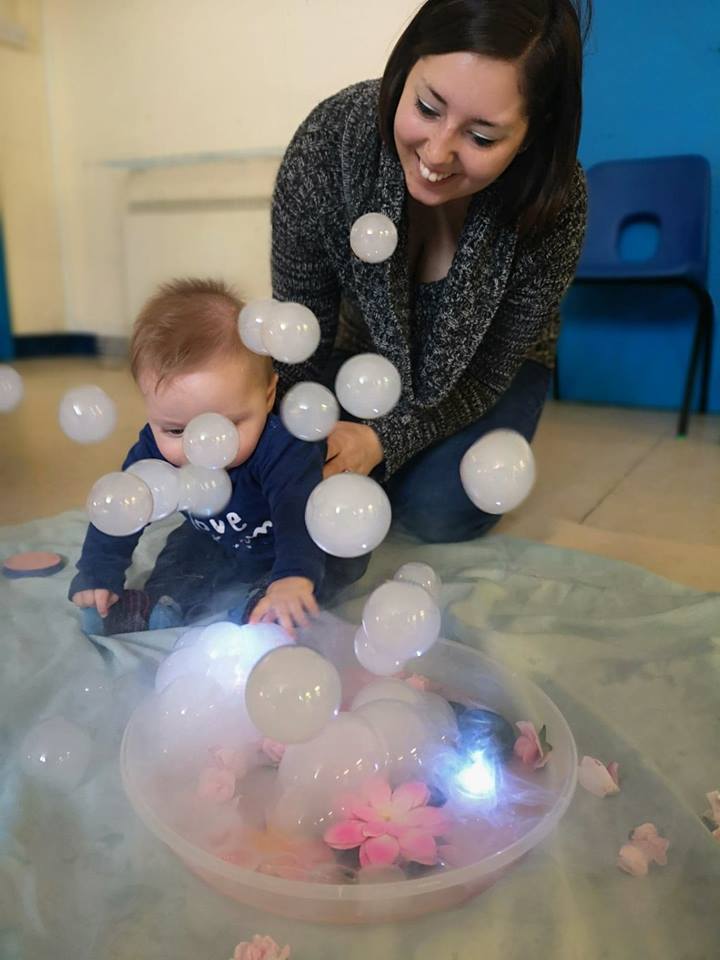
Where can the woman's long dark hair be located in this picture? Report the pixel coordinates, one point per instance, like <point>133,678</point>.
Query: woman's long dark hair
<point>545,38</point>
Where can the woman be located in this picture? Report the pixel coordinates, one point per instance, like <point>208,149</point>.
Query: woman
<point>468,144</point>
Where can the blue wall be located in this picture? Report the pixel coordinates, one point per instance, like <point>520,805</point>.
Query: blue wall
<point>652,87</point>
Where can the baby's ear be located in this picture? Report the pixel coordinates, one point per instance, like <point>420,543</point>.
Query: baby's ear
<point>271,391</point>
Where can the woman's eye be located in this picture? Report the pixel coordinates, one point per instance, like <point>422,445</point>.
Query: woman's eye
<point>481,141</point>
<point>425,109</point>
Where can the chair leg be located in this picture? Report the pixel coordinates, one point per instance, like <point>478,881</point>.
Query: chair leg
<point>556,379</point>
<point>708,310</point>
<point>698,339</point>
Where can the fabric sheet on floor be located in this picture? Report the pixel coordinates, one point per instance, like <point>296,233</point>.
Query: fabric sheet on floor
<point>632,660</point>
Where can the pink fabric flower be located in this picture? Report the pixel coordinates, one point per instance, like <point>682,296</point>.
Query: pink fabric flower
<point>713,798</point>
<point>418,682</point>
<point>646,846</point>
<point>273,749</point>
<point>597,778</point>
<point>216,785</point>
<point>390,825</point>
<point>531,747</point>
<point>228,759</point>
<point>260,948</point>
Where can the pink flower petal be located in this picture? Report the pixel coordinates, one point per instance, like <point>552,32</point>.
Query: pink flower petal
<point>273,749</point>
<point>431,819</point>
<point>713,798</point>
<point>613,769</point>
<point>596,778</point>
<point>261,948</point>
<point>419,846</point>
<point>632,860</point>
<point>408,796</point>
<point>418,681</point>
<point>345,835</point>
<point>379,852</point>
<point>376,792</point>
<point>653,846</point>
<point>378,828</point>
<point>216,785</point>
<point>362,811</point>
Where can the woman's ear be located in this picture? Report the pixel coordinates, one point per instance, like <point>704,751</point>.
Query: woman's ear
<point>271,391</point>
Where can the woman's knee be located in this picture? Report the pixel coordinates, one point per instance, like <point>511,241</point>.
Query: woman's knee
<point>449,526</point>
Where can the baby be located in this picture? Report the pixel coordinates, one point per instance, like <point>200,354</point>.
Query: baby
<point>187,358</point>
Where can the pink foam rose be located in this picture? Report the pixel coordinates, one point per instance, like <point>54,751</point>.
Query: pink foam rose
<point>646,846</point>
<point>597,778</point>
<point>713,798</point>
<point>418,682</point>
<point>530,747</point>
<point>632,860</point>
<point>273,749</point>
<point>216,784</point>
<point>261,948</point>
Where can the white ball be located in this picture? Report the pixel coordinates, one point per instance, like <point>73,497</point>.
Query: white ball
<point>291,333</point>
<point>250,323</point>
<point>401,619</point>
<point>203,492</point>
<point>348,515</point>
<point>380,662</point>
<point>387,689</point>
<point>292,693</point>
<point>403,732</point>
<point>309,411</point>
<point>422,574</point>
<point>373,237</point>
<point>87,414</point>
<point>210,440</point>
<point>162,479</point>
<point>498,471</point>
<point>234,650</point>
<point>119,504</point>
<point>368,386</point>
<point>187,661</point>
<point>11,388</point>
<point>56,752</point>
<point>440,716</point>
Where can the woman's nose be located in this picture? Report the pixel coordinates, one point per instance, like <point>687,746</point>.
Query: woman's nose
<point>440,149</point>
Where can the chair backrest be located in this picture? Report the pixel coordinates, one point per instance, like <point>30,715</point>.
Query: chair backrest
<point>671,192</point>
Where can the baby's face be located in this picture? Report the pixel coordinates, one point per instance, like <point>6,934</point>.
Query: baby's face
<point>228,387</point>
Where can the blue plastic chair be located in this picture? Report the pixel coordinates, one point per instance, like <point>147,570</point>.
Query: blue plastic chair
<point>673,194</point>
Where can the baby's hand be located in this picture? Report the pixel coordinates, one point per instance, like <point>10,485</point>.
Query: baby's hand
<point>102,600</point>
<point>287,602</point>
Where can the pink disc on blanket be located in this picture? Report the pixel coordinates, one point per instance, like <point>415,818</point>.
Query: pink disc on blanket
<point>39,564</point>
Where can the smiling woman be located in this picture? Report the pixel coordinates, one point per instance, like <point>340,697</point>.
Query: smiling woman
<point>468,145</point>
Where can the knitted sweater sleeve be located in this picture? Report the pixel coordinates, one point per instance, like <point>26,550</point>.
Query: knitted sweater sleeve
<point>531,302</point>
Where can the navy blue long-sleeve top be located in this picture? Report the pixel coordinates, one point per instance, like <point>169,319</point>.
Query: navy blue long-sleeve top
<point>262,526</point>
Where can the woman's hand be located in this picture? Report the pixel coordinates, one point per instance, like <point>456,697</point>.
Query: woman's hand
<point>288,601</point>
<point>354,447</point>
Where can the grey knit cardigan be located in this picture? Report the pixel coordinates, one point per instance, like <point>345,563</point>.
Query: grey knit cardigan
<point>500,298</point>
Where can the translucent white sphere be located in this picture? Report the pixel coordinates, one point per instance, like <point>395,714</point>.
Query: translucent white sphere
<point>11,388</point>
<point>292,693</point>
<point>162,479</point>
<point>422,574</point>
<point>440,716</point>
<point>87,414</point>
<point>187,719</point>
<point>404,733</point>
<point>187,661</point>
<point>348,515</point>
<point>56,752</point>
<point>401,619</point>
<point>234,650</point>
<point>368,386</point>
<point>373,237</point>
<point>498,471</point>
<point>210,440</point>
<point>203,492</point>
<point>380,662</point>
<point>388,689</point>
<point>291,333</point>
<point>250,323</point>
<point>309,411</point>
<point>119,504</point>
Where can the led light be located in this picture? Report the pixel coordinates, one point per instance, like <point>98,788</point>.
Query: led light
<point>477,778</point>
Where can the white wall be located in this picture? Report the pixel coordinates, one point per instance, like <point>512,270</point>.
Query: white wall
<point>146,79</point>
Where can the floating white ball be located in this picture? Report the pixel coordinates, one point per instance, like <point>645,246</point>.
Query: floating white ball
<point>368,386</point>
<point>119,504</point>
<point>404,734</point>
<point>373,237</point>
<point>234,650</point>
<point>498,471</point>
<point>291,333</point>
<point>379,662</point>
<point>401,619</point>
<point>250,323</point>
<point>292,693</point>
<point>387,689</point>
<point>56,752</point>
<point>210,440</point>
<point>11,388</point>
<point>185,662</point>
<point>348,515</point>
<point>309,411</point>
<point>422,574</point>
<point>87,414</point>
<point>162,479</point>
<point>203,492</point>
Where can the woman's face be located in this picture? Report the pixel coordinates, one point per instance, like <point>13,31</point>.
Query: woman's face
<point>459,124</point>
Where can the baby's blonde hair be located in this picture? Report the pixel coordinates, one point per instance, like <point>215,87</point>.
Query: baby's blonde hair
<point>186,324</point>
